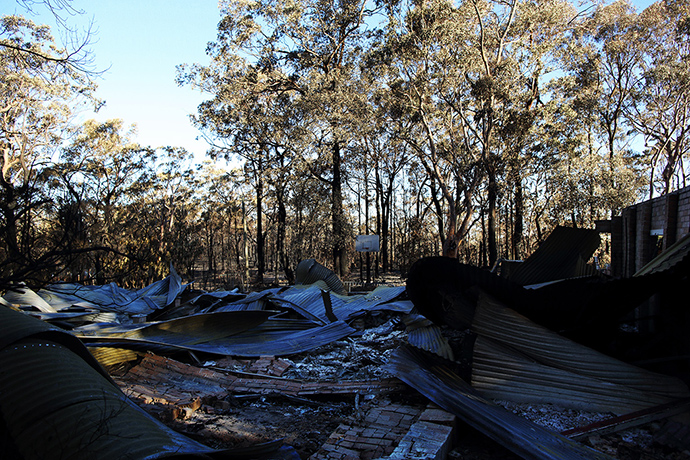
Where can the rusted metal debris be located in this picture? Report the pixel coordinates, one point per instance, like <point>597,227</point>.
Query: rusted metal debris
<point>630,420</point>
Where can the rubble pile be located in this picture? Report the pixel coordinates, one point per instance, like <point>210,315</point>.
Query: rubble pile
<point>439,368</point>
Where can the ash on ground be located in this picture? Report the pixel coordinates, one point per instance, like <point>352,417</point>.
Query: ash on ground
<point>360,357</point>
<point>306,423</point>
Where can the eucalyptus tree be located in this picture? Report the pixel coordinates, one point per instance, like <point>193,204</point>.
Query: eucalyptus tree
<point>603,66</point>
<point>465,83</point>
<point>306,51</point>
<point>508,51</point>
<point>661,109</point>
<point>309,211</point>
<point>418,230</point>
<point>164,208</point>
<point>391,159</point>
<point>411,65</point>
<point>38,88</point>
<point>72,55</point>
<point>377,160</point>
<point>104,170</point>
<point>255,128</point>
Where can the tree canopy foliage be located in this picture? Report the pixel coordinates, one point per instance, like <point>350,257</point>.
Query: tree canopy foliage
<point>467,127</point>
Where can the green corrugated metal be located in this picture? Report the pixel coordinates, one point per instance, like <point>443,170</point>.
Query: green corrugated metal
<point>108,356</point>
<point>57,403</point>
<point>669,258</point>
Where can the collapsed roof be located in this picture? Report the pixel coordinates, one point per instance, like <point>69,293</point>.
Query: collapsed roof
<point>512,346</point>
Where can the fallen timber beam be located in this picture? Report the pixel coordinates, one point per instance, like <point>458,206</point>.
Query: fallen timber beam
<point>168,381</point>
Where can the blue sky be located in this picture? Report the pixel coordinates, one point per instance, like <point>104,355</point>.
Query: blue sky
<point>141,42</point>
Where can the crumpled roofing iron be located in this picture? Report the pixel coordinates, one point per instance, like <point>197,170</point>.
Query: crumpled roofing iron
<point>435,378</point>
<point>227,323</point>
<point>564,254</point>
<point>116,299</point>
<point>308,301</point>
<point>22,295</point>
<point>310,271</point>
<point>236,333</point>
<point>584,309</point>
<point>56,402</point>
<point>519,360</point>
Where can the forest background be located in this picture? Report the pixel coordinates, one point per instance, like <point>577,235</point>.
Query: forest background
<point>467,128</point>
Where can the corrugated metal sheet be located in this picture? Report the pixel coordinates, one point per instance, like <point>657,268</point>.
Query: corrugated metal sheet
<point>106,298</point>
<point>308,301</point>
<point>564,254</point>
<point>115,299</point>
<point>165,291</point>
<point>671,257</point>
<point>58,403</point>
<point>92,316</point>
<point>422,333</point>
<point>107,356</point>
<point>500,372</point>
<point>309,271</point>
<point>22,295</point>
<point>435,379</point>
<point>281,342</point>
<point>221,330</point>
<point>191,329</point>
<point>272,337</point>
<point>529,362</point>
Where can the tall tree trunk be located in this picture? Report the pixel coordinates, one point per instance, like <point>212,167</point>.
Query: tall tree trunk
<point>8,205</point>
<point>490,161</point>
<point>439,210</point>
<point>519,217</point>
<point>492,197</point>
<point>261,265</point>
<point>280,239</point>
<point>340,262</point>
<point>245,245</point>
<point>210,243</point>
<point>385,200</point>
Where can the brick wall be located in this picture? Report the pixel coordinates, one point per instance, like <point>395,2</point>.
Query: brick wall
<point>645,229</point>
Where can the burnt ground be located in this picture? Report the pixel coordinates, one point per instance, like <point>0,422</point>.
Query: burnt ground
<point>309,422</point>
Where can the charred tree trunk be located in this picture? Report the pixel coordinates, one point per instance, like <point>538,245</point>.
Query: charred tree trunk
<point>283,257</point>
<point>519,218</point>
<point>385,200</point>
<point>492,198</point>
<point>261,265</point>
<point>8,206</point>
<point>339,249</point>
